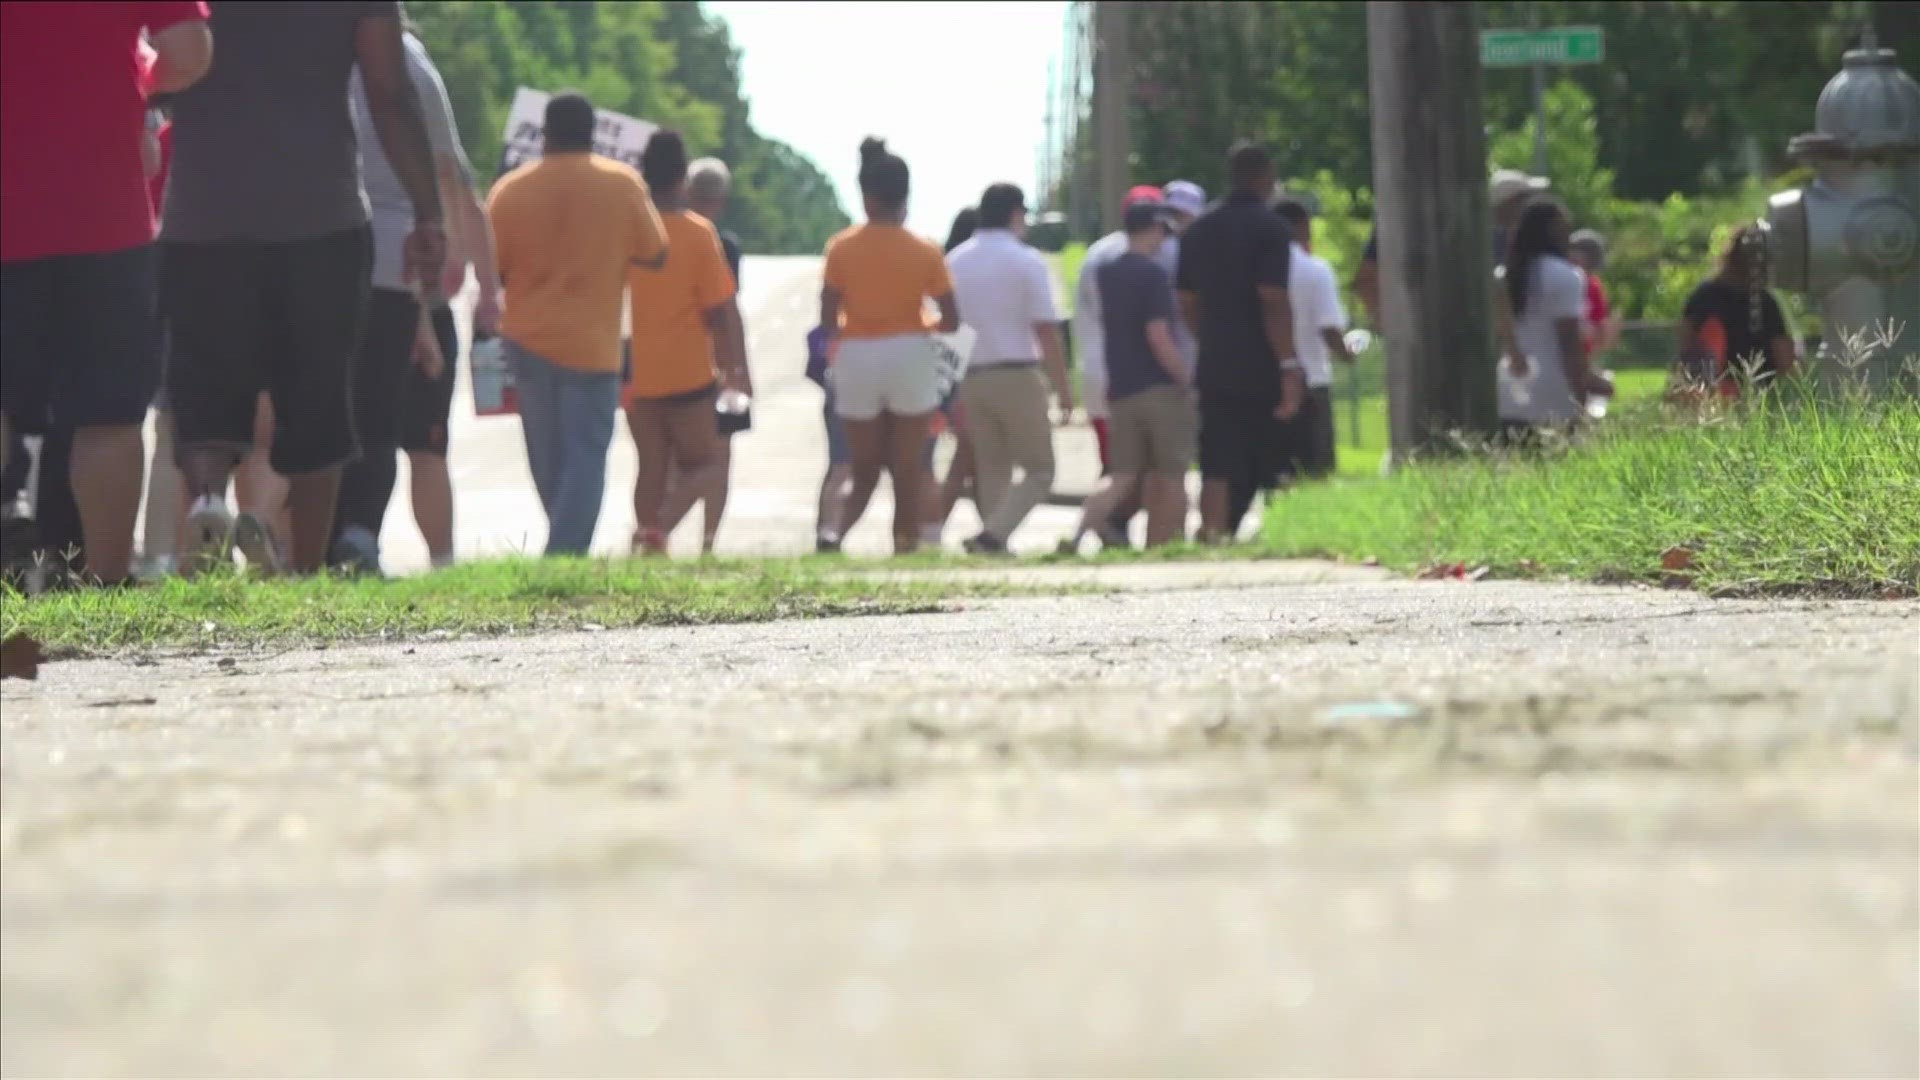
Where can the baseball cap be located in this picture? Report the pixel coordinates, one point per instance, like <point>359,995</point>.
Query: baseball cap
<point>1142,215</point>
<point>1141,193</point>
<point>1187,197</point>
<point>1508,183</point>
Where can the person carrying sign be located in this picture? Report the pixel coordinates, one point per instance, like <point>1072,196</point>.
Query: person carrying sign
<point>566,230</point>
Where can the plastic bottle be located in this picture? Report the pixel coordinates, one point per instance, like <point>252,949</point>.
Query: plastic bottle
<point>493,393</point>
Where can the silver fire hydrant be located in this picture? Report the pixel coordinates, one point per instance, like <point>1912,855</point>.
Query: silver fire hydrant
<point>1850,241</point>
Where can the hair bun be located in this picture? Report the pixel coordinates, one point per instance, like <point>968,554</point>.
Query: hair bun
<point>872,148</point>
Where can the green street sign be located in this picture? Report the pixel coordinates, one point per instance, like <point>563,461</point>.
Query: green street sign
<point>1559,45</point>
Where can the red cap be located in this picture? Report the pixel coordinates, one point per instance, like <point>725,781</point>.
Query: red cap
<point>1144,193</point>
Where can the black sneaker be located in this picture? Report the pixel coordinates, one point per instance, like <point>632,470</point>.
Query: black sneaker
<point>986,544</point>
<point>826,545</point>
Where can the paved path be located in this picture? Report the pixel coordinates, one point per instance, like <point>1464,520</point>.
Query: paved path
<point>1618,833</point>
<point>777,467</point>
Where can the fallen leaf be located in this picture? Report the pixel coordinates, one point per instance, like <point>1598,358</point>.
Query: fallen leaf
<point>21,657</point>
<point>228,662</point>
<point>1676,559</point>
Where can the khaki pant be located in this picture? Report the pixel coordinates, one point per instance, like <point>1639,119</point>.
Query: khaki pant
<point>1007,420</point>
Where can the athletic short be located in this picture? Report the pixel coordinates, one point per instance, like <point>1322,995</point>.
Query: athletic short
<point>899,375</point>
<point>1153,432</point>
<point>81,339</point>
<point>425,404</point>
<point>382,370</point>
<point>282,317</point>
<point>1241,444</point>
<point>1310,436</point>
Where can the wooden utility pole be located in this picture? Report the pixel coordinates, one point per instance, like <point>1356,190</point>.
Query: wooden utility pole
<point>1112,102</point>
<point>1430,210</point>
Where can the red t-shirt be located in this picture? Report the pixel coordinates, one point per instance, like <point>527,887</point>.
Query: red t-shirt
<point>72,111</point>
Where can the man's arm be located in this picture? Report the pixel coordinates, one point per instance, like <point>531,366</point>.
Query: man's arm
<point>402,128</point>
<point>183,52</point>
<point>1045,316</point>
<point>730,344</point>
<point>1190,309</point>
<point>1276,319</point>
<point>1165,352</point>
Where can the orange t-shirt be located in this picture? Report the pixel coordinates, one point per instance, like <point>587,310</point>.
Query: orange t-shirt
<point>565,230</point>
<point>885,275</point>
<point>672,346</point>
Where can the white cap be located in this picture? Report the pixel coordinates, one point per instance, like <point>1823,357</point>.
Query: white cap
<point>1186,197</point>
<point>1508,183</point>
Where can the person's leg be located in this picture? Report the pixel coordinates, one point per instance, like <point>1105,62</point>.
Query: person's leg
<point>427,405</point>
<point>322,289</point>
<point>1172,429</point>
<point>1098,510</point>
<point>906,439</point>
<point>714,502</point>
<point>982,395</point>
<point>1030,442</point>
<point>1218,467</point>
<point>1322,455</point>
<point>587,403</point>
<point>696,455</point>
<point>380,367</point>
<point>60,531</point>
<point>860,383</point>
<point>257,489</point>
<point>833,486</point>
<point>218,307</point>
<point>653,446</point>
<point>164,494</point>
<point>959,481</point>
<point>867,448</point>
<point>536,382</point>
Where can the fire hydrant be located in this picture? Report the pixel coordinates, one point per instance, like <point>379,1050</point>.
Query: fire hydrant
<point>1850,241</point>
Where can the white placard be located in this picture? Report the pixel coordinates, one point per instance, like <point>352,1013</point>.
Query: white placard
<point>615,135</point>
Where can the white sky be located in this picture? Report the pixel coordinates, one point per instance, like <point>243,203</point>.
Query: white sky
<point>960,90</point>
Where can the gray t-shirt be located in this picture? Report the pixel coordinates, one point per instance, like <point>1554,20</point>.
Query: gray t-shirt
<point>1134,291</point>
<point>263,146</point>
<point>1556,291</point>
<point>392,209</point>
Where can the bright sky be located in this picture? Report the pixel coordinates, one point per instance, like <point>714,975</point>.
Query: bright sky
<point>959,90</point>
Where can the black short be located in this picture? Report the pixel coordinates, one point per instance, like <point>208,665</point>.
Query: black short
<point>382,368</point>
<point>1310,436</point>
<point>283,317</point>
<point>1241,444</point>
<point>425,404</point>
<point>81,342</point>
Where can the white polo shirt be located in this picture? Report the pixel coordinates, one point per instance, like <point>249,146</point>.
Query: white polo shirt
<point>1315,296</point>
<point>1004,289</point>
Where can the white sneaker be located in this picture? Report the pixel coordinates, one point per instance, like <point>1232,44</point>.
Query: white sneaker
<point>209,530</point>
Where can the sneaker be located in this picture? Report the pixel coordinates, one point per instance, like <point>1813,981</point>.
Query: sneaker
<point>209,530</point>
<point>151,568</point>
<point>355,551</point>
<point>826,544</point>
<point>255,541</point>
<point>987,544</point>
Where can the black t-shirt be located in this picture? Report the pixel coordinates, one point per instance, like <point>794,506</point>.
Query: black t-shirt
<point>1134,291</point>
<point>730,245</point>
<point>1722,314</point>
<point>1225,257</point>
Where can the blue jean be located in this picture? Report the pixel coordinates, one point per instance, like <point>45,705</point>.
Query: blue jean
<point>567,417</point>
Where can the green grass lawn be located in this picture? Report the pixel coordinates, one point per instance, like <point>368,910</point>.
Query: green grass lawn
<point>483,598</point>
<point>1791,493</point>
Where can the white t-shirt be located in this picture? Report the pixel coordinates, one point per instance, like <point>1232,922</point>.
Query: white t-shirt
<point>392,210</point>
<point>1004,289</point>
<point>1556,290</point>
<point>1316,306</point>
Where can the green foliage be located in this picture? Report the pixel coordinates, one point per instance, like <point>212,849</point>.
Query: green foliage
<point>1739,493</point>
<point>668,62</point>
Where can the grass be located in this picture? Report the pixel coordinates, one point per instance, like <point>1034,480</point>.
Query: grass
<point>497,597</point>
<point>1795,491</point>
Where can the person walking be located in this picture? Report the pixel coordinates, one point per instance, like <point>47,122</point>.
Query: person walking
<point>81,341</point>
<point>1148,382</point>
<point>1733,333</point>
<point>1319,334</point>
<point>566,230</point>
<point>399,355</point>
<point>944,495</point>
<point>267,250</point>
<point>708,183</point>
<point>1546,383</point>
<point>1589,251</point>
<point>1235,264</point>
<point>1006,294</point>
<point>876,282</point>
<point>684,321</point>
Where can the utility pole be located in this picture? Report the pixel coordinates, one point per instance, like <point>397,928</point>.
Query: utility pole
<point>1430,185</point>
<point>1113,100</point>
<point>1539,100</point>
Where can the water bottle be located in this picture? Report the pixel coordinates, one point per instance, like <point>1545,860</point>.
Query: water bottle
<point>732,402</point>
<point>1596,403</point>
<point>1516,388</point>
<point>1358,341</point>
<point>493,393</point>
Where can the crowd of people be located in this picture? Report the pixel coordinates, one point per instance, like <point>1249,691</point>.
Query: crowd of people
<point>260,211</point>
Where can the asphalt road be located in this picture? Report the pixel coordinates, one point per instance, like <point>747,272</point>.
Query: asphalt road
<point>1297,822</point>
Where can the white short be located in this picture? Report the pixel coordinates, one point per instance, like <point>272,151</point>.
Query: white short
<point>900,375</point>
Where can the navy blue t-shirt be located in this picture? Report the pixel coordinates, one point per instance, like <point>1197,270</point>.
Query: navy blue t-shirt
<point>1134,291</point>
